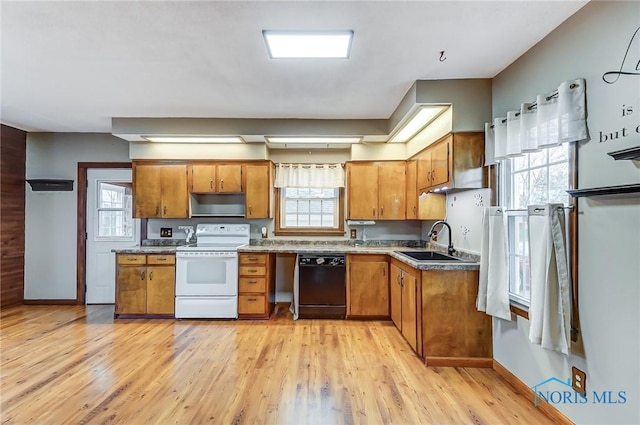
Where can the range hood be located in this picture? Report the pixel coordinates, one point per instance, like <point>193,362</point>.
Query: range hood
<point>217,204</point>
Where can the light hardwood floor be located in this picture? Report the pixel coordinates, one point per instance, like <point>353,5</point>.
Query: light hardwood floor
<point>75,365</point>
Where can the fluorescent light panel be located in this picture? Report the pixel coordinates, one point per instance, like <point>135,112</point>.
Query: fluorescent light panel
<point>420,120</point>
<point>313,140</point>
<point>194,139</point>
<point>316,44</point>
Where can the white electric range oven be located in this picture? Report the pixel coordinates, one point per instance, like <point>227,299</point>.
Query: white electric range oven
<point>207,273</point>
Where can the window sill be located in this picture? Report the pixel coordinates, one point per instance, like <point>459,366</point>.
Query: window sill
<point>519,310</point>
<point>310,232</point>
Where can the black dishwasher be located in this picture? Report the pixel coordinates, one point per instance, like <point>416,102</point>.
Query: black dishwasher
<point>322,285</point>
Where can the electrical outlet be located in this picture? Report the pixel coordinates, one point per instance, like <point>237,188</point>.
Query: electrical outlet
<point>166,232</point>
<point>579,381</point>
<point>353,234</point>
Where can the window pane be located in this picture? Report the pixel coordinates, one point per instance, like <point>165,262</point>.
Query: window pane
<point>290,192</point>
<point>304,193</point>
<point>559,153</point>
<point>291,206</point>
<point>303,221</point>
<point>115,224</point>
<point>520,162</point>
<point>315,220</point>
<point>113,196</point>
<point>328,221</point>
<point>538,188</point>
<point>315,207</point>
<point>558,182</point>
<point>520,196</point>
<point>328,206</point>
<point>309,207</point>
<point>330,193</point>
<point>303,207</point>
<point>538,158</point>
<point>291,220</point>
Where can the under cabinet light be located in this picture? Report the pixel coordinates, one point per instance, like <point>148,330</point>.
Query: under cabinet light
<point>423,117</point>
<point>194,139</point>
<point>312,44</point>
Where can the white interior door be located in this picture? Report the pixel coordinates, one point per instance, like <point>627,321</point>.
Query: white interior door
<point>109,225</point>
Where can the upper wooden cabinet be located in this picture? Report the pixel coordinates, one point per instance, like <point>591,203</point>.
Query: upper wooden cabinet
<point>376,191</point>
<point>216,178</point>
<point>258,190</point>
<point>160,191</point>
<point>427,206</point>
<point>456,161</point>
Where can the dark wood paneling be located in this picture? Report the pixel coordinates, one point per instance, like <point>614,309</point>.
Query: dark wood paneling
<point>13,144</point>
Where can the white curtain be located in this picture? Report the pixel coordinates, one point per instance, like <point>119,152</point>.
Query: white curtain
<point>317,176</point>
<point>549,309</point>
<point>552,120</point>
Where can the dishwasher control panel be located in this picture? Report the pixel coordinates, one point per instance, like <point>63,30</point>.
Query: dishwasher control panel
<point>321,260</point>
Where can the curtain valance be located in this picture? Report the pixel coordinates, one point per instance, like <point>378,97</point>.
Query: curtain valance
<point>317,176</point>
<point>552,120</point>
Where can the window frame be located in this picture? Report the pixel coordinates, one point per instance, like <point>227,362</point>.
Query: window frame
<point>572,237</point>
<point>308,231</point>
<point>98,209</point>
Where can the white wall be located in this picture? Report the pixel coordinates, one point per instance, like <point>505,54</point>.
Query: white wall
<point>50,217</point>
<point>587,45</point>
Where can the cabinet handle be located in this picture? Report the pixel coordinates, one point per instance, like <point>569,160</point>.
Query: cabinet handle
<point>414,209</point>
<point>252,299</point>
<point>221,184</point>
<point>210,184</point>
<point>433,175</point>
<point>384,271</point>
<point>164,210</point>
<point>252,270</point>
<point>374,212</point>
<point>381,211</point>
<point>253,282</point>
<point>161,259</point>
<point>429,176</point>
<point>250,210</point>
<point>142,275</point>
<point>131,258</point>
<point>157,210</point>
<point>150,275</point>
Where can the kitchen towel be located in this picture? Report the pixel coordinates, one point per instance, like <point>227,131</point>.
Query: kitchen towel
<point>549,310</point>
<point>296,290</point>
<point>493,290</point>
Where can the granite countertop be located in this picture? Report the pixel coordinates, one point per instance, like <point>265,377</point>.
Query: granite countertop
<point>306,247</point>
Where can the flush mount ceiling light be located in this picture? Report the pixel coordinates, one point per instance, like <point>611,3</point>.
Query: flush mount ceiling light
<point>423,116</point>
<point>314,140</point>
<point>308,44</point>
<point>194,139</point>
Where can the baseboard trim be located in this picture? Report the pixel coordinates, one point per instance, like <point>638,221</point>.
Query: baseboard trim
<point>481,362</point>
<point>554,414</point>
<point>50,302</point>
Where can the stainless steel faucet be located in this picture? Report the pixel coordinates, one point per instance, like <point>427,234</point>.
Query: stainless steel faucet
<point>450,249</point>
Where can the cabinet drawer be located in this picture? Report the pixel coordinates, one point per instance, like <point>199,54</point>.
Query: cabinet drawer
<point>132,259</point>
<point>252,304</point>
<point>252,284</point>
<point>253,270</point>
<point>253,258</point>
<point>161,259</point>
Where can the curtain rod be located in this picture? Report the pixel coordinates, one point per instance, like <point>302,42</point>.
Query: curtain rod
<point>535,104</point>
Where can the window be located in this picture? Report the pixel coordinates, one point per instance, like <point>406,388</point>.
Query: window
<point>309,211</point>
<point>114,215</point>
<point>534,178</point>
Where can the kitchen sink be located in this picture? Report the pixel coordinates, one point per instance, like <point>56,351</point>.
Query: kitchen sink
<point>429,256</point>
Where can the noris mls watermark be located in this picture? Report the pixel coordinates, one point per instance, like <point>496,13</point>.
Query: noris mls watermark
<point>556,391</point>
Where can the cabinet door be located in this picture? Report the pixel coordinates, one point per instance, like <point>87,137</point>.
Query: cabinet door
<point>440,163</point>
<point>423,173</point>
<point>258,188</point>
<point>409,326</point>
<point>161,290</point>
<point>396,296</point>
<point>392,191</point>
<point>203,178</point>
<point>175,199</point>
<point>131,290</point>
<point>229,178</point>
<point>368,288</point>
<point>147,191</point>
<point>412,191</point>
<point>362,191</point>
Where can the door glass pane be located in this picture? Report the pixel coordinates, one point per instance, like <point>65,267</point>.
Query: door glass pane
<point>115,224</point>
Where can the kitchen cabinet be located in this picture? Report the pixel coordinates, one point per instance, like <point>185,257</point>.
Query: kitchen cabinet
<point>160,191</point>
<point>454,332</point>
<point>367,286</point>
<point>216,178</point>
<point>145,285</point>
<point>376,191</point>
<point>405,299</point>
<point>258,190</point>
<point>256,285</point>
<point>456,161</point>
<point>427,206</point>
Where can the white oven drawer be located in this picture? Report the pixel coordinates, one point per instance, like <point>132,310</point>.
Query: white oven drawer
<point>206,308</point>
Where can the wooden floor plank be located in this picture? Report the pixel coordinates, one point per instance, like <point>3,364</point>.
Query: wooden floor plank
<point>74,364</point>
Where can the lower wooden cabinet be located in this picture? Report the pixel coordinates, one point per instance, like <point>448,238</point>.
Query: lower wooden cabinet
<point>256,285</point>
<point>145,285</point>
<point>405,302</point>
<point>367,286</point>
<point>454,332</point>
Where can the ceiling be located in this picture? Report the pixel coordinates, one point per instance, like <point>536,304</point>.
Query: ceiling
<point>73,66</point>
